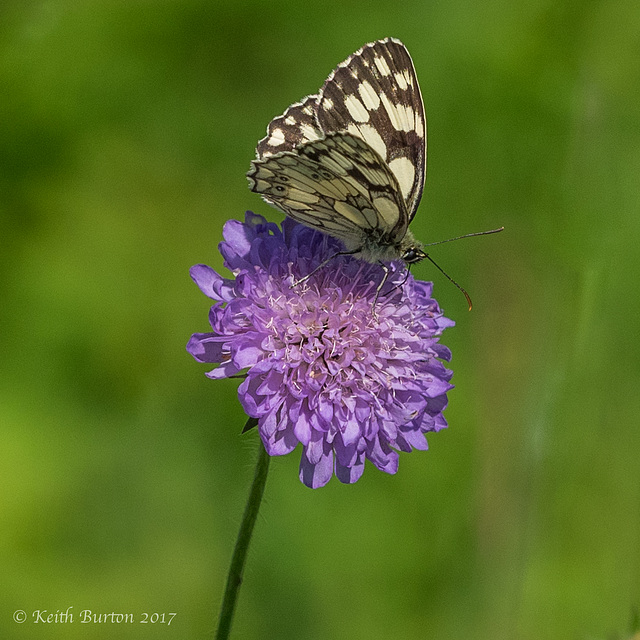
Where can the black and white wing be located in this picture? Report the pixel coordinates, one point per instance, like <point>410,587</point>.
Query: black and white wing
<point>367,126</point>
<point>294,127</point>
<point>338,185</point>
<point>374,94</point>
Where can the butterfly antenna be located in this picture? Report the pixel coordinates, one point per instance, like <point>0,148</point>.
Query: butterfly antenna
<point>466,235</point>
<point>444,273</point>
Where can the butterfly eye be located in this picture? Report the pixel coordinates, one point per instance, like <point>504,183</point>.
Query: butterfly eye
<point>413,255</point>
<point>279,188</point>
<point>283,179</point>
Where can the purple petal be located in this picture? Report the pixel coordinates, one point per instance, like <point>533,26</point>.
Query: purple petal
<point>211,283</point>
<point>246,353</point>
<point>206,347</point>
<point>225,370</point>
<point>280,443</point>
<point>302,430</point>
<point>351,474</point>
<point>316,475</point>
<point>416,439</point>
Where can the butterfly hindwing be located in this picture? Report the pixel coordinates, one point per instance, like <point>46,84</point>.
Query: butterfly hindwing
<point>338,185</point>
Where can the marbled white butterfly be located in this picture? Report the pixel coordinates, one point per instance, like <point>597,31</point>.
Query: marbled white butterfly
<point>350,160</point>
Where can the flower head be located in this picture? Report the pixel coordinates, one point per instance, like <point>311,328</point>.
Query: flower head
<point>322,366</point>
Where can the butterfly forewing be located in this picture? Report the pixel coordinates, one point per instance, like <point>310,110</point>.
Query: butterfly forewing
<point>374,94</point>
<point>294,127</point>
<point>338,185</point>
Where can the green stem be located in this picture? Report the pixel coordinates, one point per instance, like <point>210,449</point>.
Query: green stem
<point>234,578</point>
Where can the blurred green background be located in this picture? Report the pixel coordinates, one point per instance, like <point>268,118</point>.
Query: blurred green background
<point>126,129</point>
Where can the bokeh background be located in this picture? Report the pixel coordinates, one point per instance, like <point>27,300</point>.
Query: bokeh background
<point>126,129</point>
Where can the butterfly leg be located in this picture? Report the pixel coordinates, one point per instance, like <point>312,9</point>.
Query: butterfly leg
<point>324,263</point>
<point>387,272</point>
<point>401,284</point>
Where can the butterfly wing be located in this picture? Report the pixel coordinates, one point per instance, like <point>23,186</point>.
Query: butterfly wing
<point>338,185</point>
<point>294,127</point>
<point>374,94</point>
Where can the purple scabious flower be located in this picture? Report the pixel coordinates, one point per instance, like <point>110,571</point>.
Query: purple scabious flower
<point>321,366</point>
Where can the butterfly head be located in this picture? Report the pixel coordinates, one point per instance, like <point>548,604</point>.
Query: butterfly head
<point>410,250</point>
<point>411,255</point>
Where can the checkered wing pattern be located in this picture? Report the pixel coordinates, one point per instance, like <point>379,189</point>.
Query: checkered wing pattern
<point>338,185</point>
<point>374,94</point>
<point>351,159</point>
<point>294,127</point>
